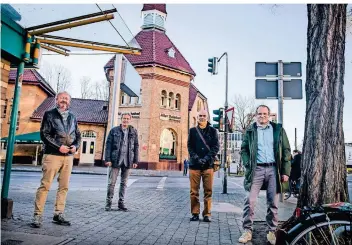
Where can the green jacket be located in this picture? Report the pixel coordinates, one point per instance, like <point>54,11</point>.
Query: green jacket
<point>282,154</point>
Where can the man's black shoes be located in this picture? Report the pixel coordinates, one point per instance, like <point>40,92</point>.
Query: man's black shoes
<point>60,220</point>
<point>206,219</point>
<point>195,217</point>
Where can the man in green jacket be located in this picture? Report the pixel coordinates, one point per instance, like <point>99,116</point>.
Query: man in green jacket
<point>266,155</point>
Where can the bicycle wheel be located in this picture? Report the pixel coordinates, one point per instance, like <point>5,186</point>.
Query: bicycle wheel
<point>321,232</point>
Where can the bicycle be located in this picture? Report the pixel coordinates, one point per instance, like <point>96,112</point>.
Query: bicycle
<point>329,224</point>
<point>292,190</point>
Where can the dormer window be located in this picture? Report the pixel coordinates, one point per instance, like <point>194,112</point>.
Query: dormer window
<point>171,52</point>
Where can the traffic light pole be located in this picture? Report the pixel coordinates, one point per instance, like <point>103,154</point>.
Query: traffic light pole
<point>224,189</point>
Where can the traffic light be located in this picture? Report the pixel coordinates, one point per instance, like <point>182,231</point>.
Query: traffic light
<point>218,118</point>
<point>213,65</point>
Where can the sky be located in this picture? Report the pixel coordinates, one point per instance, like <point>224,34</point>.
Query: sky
<point>248,33</point>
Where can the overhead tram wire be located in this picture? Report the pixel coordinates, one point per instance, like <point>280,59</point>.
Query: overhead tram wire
<point>122,19</point>
<point>115,27</point>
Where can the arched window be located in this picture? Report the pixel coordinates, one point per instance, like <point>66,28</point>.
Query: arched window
<point>178,102</point>
<point>171,100</point>
<point>163,98</point>
<point>194,122</point>
<point>168,144</point>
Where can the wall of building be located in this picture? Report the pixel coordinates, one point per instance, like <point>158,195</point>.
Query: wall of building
<point>5,70</point>
<point>31,97</point>
<point>99,142</point>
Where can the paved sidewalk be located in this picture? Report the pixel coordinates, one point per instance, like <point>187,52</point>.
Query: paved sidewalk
<point>156,216</point>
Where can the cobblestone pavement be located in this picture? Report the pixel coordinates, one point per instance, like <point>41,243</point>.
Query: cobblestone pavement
<point>159,214</point>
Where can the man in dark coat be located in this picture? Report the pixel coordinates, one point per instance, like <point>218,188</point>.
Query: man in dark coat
<point>62,138</point>
<point>121,153</point>
<point>202,156</point>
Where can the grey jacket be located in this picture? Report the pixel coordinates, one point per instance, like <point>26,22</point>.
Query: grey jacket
<point>114,143</point>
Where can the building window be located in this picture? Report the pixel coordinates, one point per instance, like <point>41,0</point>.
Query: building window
<point>171,100</point>
<point>125,99</point>
<point>178,102</point>
<point>149,19</point>
<point>89,134</point>
<point>171,52</point>
<point>163,98</point>
<point>4,109</point>
<point>159,20</point>
<point>18,120</point>
<point>168,145</point>
<point>3,92</point>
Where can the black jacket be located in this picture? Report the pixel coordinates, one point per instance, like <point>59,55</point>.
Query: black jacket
<point>54,134</point>
<point>114,143</point>
<point>197,150</point>
<point>296,167</point>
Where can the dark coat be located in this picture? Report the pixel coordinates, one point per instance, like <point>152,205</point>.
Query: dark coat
<point>114,144</point>
<point>282,153</point>
<point>296,167</point>
<point>197,150</point>
<point>54,134</point>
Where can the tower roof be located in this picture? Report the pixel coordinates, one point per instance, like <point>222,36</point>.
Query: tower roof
<point>160,7</point>
<point>155,46</point>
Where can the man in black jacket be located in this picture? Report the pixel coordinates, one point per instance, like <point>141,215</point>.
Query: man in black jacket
<point>121,152</point>
<point>202,156</point>
<point>61,137</point>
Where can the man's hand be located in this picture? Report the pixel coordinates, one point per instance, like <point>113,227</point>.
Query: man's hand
<point>108,164</point>
<point>284,178</point>
<point>202,161</point>
<point>134,165</point>
<point>64,149</point>
<point>73,149</point>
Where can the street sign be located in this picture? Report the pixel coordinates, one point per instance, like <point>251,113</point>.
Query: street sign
<point>270,69</point>
<point>230,114</point>
<point>268,89</point>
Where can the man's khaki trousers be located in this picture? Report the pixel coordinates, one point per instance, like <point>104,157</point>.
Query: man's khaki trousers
<point>52,165</point>
<point>207,177</point>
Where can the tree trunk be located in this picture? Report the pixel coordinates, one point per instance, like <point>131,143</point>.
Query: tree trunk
<point>324,164</point>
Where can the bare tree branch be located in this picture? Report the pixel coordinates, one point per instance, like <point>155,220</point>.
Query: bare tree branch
<point>244,111</point>
<point>57,76</point>
<point>101,90</point>
<point>86,88</point>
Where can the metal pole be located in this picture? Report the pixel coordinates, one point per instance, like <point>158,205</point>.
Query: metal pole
<point>115,98</point>
<point>281,102</point>
<point>295,138</point>
<point>12,132</point>
<point>224,189</point>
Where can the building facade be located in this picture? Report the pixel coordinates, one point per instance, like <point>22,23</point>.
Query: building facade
<point>168,102</point>
<point>167,106</point>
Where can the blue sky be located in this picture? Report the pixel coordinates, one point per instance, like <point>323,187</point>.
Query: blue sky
<point>249,33</point>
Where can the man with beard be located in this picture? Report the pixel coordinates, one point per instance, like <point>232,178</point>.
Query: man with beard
<point>61,137</point>
<point>203,146</point>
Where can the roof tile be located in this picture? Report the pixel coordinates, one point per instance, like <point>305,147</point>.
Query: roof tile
<point>32,76</point>
<point>160,7</point>
<point>155,44</point>
<point>85,110</point>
